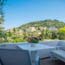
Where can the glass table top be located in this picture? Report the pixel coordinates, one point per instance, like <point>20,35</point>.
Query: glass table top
<point>33,47</point>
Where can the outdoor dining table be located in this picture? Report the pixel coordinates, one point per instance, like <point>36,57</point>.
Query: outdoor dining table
<point>33,50</point>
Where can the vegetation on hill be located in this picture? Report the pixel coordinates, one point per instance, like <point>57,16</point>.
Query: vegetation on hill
<point>44,23</point>
<point>47,29</point>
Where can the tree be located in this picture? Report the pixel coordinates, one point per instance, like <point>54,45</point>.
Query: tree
<point>54,34</point>
<point>61,33</point>
<point>2,34</point>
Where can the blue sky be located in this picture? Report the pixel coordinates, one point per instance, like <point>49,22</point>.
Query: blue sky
<point>18,12</point>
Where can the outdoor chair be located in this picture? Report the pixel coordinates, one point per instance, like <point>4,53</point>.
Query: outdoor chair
<point>14,57</point>
<point>59,53</point>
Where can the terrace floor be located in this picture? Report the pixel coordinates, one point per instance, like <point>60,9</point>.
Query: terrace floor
<point>51,62</point>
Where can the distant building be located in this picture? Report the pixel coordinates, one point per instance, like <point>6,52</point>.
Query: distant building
<point>9,30</point>
<point>52,29</point>
<point>45,28</point>
<point>32,29</point>
<point>42,28</point>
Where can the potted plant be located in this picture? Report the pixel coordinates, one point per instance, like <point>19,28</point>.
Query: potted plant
<point>32,40</point>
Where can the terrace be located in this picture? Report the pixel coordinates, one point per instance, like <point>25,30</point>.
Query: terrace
<point>47,52</point>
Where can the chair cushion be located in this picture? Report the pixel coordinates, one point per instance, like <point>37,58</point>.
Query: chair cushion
<point>59,54</point>
<point>14,57</point>
<point>62,46</point>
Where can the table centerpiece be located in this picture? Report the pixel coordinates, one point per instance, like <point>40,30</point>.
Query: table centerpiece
<point>32,40</point>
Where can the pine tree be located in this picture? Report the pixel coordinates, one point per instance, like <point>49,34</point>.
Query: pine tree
<point>2,34</point>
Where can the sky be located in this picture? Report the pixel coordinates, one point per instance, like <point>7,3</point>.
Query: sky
<point>19,12</point>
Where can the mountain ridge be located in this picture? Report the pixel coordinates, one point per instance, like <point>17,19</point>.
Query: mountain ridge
<point>44,23</point>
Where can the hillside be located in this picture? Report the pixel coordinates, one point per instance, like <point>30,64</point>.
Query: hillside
<point>44,23</point>
<point>47,29</point>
